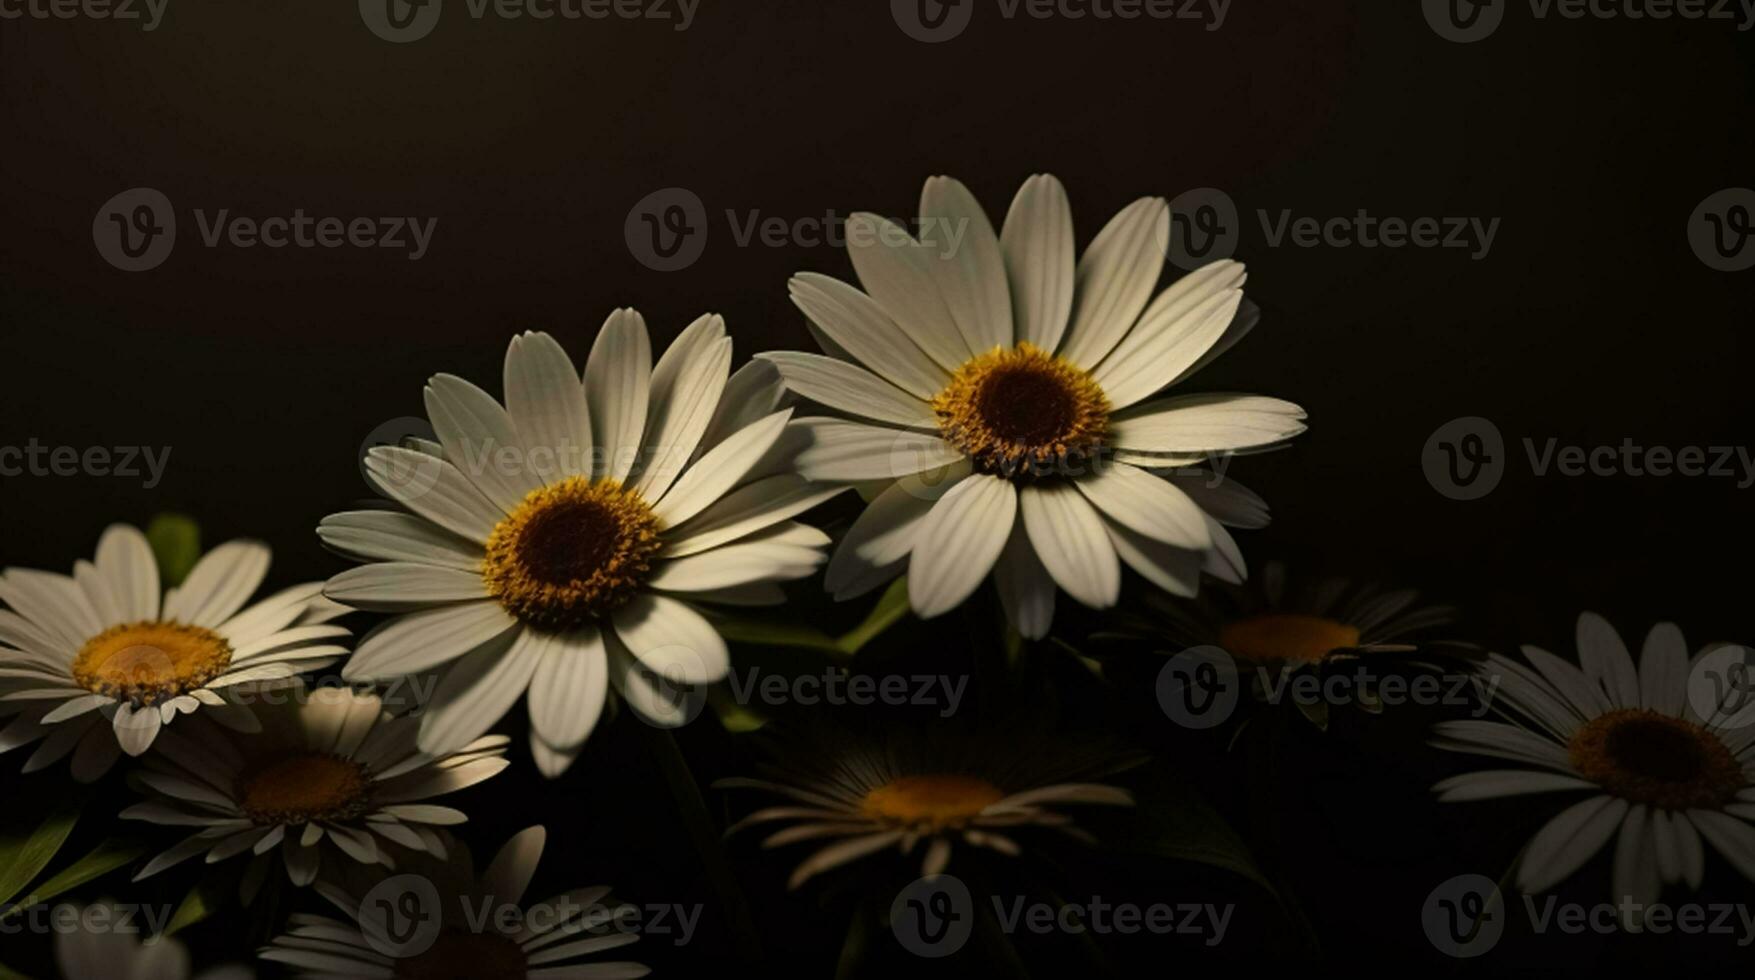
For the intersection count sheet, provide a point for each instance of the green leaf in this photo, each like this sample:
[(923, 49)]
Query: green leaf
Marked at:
[(103, 859), (890, 608), (9, 974), (23, 856), (776, 635), (203, 900), (176, 543), (1176, 822)]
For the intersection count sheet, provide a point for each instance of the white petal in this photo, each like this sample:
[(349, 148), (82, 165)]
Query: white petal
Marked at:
[(546, 401), (896, 270), (886, 530), (618, 379), (434, 489), (958, 543), (477, 691), (568, 690), (480, 441), (125, 558), (1495, 783), (509, 874), (1730, 837), (734, 565), (850, 388), (1663, 670), (723, 467), (1606, 661), (397, 586), (672, 640), (851, 451), (746, 510), (686, 387), (135, 729), (854, 322), (1148, 505), (1026, 590), (387, 535), (1207, 424), (1115, 279), (967, 262), (419, 641), (1039, 259), (53, 603), (1180, 325), (754, 391), (654, 700), (1175, 570), (1069, 538), (1568, 841), (219, 584)]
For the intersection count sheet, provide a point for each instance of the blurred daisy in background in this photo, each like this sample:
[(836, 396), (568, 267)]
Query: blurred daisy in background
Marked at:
[(1280, 626), (1004, 393), (910, 792), (333, 768), (1663, 754), (108, 944), (450, 937), (97, 662), (561, 545)]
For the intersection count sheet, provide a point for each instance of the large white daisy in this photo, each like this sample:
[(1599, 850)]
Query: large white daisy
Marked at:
[(98, 661), (1022, 382), (560, 544), (1657, 773), (333, 766), (544, 941)]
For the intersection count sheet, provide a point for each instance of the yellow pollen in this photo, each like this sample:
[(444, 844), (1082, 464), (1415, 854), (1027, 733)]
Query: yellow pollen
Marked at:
[(1022, 413), (931, 802), (148, 663), (1647, 757), (571, 552), (1286, 636), (305, 787)]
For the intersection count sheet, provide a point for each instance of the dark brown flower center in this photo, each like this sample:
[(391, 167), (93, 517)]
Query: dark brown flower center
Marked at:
[(1647, 757)]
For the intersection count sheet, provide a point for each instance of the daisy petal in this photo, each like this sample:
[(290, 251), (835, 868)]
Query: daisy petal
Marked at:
[(546, 401), (1115, 279), (967, 263), (1069, 538), (958, 542), (1039, 259), (618, 380), (850, 388)]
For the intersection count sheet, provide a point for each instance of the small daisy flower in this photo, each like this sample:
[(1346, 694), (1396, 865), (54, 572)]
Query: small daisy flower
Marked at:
[(1005, 396), (333, 768), (898, 793), (107, 944), (1278, 626), (97, 662), (1658, 777), (451, 937), (563, 544)]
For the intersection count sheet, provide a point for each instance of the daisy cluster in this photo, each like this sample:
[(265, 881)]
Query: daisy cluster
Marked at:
[(1008, 412)]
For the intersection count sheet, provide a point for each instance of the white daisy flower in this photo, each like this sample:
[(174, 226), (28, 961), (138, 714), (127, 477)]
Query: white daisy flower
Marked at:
[(452, 938), (869, 795), (1657, 776), (108, 944), (98, 661), (334, 767), (1279, 625), (561, 544), (1004, 393)]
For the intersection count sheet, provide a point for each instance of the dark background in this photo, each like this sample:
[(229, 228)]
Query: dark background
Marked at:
[(1590, 320)]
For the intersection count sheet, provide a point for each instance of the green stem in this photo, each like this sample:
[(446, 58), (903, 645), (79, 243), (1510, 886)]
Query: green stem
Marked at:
[(705, 833)]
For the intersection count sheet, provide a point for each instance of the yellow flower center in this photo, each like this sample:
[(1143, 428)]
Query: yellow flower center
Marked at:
[(457, 955), (148, 663), (304, 787), (935, 801), (1646, 757), (1022, 413), (1286, 636), (571, 552)]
